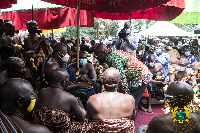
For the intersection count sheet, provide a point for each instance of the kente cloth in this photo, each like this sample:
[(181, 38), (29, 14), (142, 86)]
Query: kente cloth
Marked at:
[(174, 55), (192, 60), (55, 120), (7, 125), (123, 125), (130, 68), (83, 94)]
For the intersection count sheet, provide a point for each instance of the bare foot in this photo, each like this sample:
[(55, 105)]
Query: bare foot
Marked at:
[(142, 108), (149, 110)]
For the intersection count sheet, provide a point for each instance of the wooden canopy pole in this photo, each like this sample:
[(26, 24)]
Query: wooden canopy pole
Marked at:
[(78, 26)]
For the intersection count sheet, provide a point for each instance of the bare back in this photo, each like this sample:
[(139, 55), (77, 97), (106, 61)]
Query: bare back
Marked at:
[(50, 65), (58, 99), (110, 105), (165, 124)]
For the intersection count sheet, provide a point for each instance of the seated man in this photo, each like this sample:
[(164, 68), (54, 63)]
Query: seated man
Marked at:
[(58, 58), (186, 53), (111, 111), (18, 98), (15, 69), (55, 105), (32, 70), (87, 74), (179, 119), (134, 74), (184, 74)]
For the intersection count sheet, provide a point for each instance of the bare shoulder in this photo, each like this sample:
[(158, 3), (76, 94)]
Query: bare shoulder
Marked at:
[(3, 77), (126, 97), (95, 97), (155, 125)]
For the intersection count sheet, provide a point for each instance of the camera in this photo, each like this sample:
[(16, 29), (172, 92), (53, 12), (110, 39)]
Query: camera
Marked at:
[(124, 33)]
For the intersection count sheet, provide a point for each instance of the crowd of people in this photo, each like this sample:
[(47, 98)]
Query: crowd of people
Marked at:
[(43, 90)]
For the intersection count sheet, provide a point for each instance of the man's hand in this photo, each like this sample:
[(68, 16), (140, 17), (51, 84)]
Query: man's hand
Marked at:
[(84, 79), (41, 38), (84, 85)]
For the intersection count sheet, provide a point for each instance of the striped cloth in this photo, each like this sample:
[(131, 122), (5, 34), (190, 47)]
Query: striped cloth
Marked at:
[(7, 125)]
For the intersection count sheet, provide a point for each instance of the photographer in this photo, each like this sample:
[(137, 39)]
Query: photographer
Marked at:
[(123, 42)]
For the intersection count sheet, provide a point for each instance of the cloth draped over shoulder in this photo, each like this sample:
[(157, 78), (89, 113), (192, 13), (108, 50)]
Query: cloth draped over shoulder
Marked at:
[(123, 125), (7, 125), (131, 69), (55, 120)]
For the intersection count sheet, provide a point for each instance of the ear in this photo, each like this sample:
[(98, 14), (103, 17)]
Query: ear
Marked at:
[(20, 101)]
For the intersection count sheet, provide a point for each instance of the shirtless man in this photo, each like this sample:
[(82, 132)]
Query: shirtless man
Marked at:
[(2, 30), (86, 69), (58, 57), (5, 42), (184, 74), (15, 68), (101, 106), (32, 40), (87, 75), (179, 95), (32, 70), (56, 100), (18, 98)]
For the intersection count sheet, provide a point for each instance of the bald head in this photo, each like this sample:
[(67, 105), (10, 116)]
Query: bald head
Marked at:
[(58, 75), (31, 23), (127, 25), (183, 62), (58, 47), (99, 48), (14, 88), (12, 62), (111, 77), (180, 90)]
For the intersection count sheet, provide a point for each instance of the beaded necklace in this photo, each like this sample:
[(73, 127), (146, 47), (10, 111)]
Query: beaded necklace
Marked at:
[(43, 70)]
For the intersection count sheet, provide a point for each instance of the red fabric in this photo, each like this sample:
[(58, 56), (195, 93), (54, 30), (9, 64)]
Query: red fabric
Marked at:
[(7, 3), (111, 6), (50, 18), (162, 13)]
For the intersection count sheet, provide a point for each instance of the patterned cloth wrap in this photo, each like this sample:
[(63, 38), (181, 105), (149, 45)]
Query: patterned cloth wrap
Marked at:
[(55, 120), (192, 60), (7, 125), (131, 69), (124, 125)]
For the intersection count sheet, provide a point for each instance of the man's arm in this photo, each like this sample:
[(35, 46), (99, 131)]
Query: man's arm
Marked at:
[(76, 109), (92, 72), (134, 44), (118, 43), (33, 47)]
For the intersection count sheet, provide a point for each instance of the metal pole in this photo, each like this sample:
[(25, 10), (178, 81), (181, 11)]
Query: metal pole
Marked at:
[(130, 17), (78, 25)]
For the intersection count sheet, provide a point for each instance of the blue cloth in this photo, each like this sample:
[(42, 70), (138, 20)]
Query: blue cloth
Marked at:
[(164, 59), (133, 45), (83, 94)]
